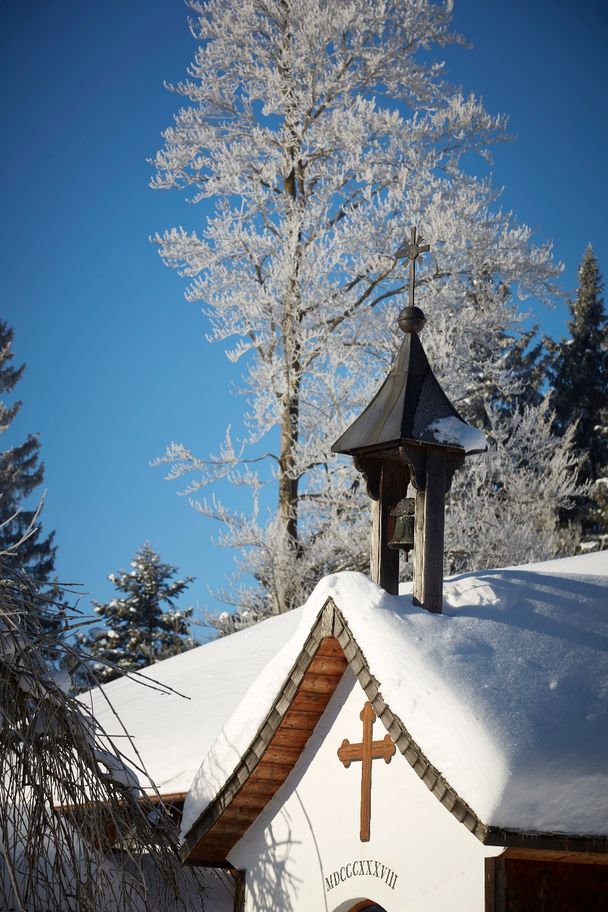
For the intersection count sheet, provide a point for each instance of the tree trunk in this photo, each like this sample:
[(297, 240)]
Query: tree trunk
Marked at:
[(290, 418), (288, 507), (290, 403)]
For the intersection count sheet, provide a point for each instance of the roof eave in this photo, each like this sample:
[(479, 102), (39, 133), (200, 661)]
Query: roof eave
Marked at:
[(539, 841), (380, 448)]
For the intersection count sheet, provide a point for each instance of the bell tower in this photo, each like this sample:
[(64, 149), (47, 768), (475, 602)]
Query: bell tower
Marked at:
[(408, 442)]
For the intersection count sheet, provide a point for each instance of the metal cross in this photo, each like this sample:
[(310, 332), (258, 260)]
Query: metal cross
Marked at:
[(366, 751), (411, 250)]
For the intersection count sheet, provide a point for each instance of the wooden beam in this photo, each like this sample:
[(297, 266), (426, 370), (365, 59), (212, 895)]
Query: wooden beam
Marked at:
[(305, 701), (299, 720), (290, 737), (384, 568), (319, 683), (418, 589), (239, 891), (549, 842), (594, 858), (434, 524), (261, 795)]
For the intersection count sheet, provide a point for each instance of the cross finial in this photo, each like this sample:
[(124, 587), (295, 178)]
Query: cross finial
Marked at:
[(411, 250)]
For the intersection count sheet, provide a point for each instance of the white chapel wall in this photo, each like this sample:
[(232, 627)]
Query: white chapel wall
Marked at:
[(303, 854)]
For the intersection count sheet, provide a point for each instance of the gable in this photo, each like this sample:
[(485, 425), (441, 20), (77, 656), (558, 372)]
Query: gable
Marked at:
[(278, 744), (305, 850)]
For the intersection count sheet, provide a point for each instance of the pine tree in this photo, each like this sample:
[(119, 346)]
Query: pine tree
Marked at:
[(322, 131), (23, 548), (139, 628), (579, 376), (21, 472)]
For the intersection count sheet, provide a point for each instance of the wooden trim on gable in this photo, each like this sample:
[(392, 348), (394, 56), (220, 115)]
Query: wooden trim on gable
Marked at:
[(329, 649), (274, 750)]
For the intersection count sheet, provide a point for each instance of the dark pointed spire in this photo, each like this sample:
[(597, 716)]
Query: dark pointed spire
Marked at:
[(410, 435), (410, 406)]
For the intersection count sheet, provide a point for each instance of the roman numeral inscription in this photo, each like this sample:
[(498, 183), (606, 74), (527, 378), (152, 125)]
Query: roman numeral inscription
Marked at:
[(364, 867), (366, 751)]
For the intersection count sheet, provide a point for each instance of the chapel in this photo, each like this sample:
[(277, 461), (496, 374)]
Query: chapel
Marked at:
[(487, 738), (435, 746)]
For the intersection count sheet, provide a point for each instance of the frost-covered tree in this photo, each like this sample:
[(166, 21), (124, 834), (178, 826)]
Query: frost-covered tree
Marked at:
[(21, 472), (580, 392), (143, 625), (506, 506), (320, 131)]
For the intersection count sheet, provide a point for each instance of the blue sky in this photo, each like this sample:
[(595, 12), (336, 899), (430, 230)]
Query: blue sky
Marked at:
[(117, 361)]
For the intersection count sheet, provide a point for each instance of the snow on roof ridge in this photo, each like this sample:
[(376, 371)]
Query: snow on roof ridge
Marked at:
[(469, 684)]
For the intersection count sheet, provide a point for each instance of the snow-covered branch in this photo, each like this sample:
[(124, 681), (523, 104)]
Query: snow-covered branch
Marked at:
[(321, 131)]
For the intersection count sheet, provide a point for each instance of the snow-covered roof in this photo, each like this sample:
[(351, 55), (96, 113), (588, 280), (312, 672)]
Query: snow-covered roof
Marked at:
[(505, 693), (410, 406), (172, 731)]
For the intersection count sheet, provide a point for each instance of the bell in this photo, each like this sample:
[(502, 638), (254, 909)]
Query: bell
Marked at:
[(403, 535)]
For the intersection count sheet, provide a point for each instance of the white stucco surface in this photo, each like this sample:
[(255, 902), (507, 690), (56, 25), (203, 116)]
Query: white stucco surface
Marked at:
[(304, 851)]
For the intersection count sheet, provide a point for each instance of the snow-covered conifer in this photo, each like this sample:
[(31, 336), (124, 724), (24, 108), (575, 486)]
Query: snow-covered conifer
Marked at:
[(21, 472), (580, 394), (321, 131), (143, 625), (23, 547)]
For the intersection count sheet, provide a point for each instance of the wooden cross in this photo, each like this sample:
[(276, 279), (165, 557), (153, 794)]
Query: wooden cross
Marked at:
[(366, 751), (411, 250)]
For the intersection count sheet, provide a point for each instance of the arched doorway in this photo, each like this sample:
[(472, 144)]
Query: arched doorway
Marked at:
[(366, 905)]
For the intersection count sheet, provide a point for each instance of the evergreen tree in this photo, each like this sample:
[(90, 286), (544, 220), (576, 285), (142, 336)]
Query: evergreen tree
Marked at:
[(21, 472), (579, 374), (139, 629)]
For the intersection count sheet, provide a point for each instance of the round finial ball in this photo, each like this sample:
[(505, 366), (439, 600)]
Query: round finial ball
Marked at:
[(411, 320)]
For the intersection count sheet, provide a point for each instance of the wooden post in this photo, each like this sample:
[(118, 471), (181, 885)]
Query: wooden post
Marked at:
[(239, 890), (384, 569), (376, 540), (434, 523), (495, 885), (419, 549)]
